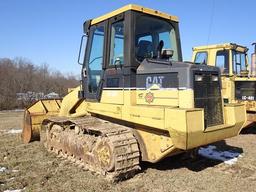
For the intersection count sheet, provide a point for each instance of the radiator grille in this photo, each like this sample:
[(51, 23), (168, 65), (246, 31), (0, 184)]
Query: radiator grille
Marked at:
[(207, 95)]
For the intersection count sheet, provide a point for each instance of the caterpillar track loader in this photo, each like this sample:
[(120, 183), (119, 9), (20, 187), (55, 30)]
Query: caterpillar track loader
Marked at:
[(137, 100), (238, 77)]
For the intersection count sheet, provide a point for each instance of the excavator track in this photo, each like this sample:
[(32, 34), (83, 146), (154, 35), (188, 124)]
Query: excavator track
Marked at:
[(97, 145)]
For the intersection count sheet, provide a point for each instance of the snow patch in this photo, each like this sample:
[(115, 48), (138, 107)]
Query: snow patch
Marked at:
[(15, 190), (14, 110), (3, 169), (15, 131), (227, 157), (18, 110)]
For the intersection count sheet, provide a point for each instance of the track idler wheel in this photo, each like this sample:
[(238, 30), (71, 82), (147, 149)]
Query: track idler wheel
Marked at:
[(104, 155)]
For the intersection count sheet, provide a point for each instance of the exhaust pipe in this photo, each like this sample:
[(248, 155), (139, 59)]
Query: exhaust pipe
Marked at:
[(253, 61)]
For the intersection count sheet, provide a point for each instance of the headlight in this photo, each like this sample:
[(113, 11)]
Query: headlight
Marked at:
[(198, 77), (215, 78)]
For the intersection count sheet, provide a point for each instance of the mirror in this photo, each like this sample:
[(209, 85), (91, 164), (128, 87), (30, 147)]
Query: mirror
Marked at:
[(167, 53), (81, 56)]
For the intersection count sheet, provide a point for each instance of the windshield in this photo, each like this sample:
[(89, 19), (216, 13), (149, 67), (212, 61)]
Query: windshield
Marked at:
[(150, 33), (239, 62)]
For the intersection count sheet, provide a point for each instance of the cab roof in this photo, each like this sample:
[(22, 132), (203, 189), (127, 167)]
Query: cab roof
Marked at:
[(223, 45), (134, 8)]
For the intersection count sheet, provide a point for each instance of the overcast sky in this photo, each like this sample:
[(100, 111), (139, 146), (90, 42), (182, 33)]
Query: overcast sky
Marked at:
[(49, 31)]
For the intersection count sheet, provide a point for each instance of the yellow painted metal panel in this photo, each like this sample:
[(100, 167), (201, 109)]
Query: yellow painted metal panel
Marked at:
[(35, 114), (146, 115), (187, 129), (135, 8), (130, 97), (37, 120), (186, 98), (221, 46), (235, 112), (42, 107), (112, 96), (69, 102), (154, 146), (176, 124), (159, 97), (228, 88), (110, 110), (50, 105), (37, 108), (195, 129)]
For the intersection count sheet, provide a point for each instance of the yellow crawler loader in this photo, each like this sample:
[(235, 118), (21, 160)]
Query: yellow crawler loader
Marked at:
[(137, 100), (238, 77)]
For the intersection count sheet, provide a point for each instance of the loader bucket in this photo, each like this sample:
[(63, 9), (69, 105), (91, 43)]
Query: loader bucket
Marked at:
[(35, 114)]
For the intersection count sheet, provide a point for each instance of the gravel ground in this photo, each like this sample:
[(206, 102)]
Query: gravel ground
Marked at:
[(29, 167)]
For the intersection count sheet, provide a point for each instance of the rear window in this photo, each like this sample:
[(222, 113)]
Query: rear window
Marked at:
[(201, 58)]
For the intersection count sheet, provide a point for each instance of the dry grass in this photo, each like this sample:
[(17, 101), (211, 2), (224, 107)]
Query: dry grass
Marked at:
[(33, 168)]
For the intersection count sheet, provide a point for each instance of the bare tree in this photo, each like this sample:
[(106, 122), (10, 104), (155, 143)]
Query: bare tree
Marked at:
[(22, 76)]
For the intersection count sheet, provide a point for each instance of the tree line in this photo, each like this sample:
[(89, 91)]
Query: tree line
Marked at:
[(20, 76)]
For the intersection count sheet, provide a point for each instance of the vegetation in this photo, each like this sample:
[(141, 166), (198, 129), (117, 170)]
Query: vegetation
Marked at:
[(21, 76)]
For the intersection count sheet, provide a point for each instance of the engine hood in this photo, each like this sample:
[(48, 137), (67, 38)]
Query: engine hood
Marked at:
[(171, 74)]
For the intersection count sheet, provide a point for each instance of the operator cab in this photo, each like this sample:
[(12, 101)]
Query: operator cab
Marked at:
[(230, 58), (118, 42)]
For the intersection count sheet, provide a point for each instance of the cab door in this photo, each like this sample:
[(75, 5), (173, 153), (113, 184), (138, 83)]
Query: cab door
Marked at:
[(94, 62)]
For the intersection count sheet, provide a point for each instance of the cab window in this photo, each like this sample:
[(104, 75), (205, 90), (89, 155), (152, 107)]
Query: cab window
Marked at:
[(150, 32), (222, 61), (201, 58), (117, 44), (95, 59), (239, 62)]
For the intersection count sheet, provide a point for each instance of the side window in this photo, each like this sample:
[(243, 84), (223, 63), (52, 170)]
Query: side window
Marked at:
[(117, 44), (96, 59), (201, 58), (222, 61), (239, 62)]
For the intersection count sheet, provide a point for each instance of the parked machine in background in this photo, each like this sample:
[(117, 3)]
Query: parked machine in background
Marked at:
[(238, 76), (137, 100)]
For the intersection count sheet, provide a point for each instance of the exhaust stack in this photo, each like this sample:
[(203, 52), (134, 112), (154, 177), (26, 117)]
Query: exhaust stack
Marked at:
[(253, 61)]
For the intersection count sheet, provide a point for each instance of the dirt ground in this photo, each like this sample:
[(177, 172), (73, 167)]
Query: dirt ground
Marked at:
[(31, 168)]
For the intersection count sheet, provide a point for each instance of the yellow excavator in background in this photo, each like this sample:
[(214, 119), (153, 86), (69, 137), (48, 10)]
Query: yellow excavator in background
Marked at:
[(238, 77), (137, 100)]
